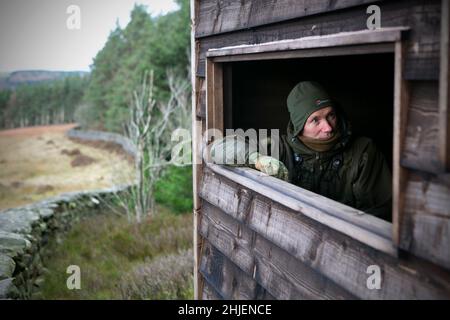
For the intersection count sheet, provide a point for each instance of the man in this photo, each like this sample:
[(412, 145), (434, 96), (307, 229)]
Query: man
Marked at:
[(320, 154)]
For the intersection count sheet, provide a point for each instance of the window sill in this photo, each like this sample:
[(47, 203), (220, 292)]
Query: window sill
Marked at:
[(354, 223)]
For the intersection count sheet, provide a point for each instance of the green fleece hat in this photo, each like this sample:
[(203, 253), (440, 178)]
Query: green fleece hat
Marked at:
[(306, 98)]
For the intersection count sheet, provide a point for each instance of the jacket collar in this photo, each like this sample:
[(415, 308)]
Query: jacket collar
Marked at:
[(299, 148)]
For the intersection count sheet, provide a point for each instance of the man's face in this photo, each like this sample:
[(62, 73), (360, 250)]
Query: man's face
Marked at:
[(320, 125)]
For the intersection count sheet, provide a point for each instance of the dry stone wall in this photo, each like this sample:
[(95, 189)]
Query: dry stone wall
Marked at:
[(26, 231), (124, 142)]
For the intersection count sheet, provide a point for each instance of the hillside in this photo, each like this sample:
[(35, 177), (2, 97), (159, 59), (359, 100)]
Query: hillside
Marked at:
[(17, 78)]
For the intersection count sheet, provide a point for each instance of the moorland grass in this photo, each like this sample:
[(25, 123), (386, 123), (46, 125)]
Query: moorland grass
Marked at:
[(111, 251)]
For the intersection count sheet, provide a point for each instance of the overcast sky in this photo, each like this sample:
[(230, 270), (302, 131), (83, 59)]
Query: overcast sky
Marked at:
[(34, 33)]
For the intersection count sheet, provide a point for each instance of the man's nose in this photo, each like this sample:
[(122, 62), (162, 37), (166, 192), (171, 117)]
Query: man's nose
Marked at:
[(326, 127)]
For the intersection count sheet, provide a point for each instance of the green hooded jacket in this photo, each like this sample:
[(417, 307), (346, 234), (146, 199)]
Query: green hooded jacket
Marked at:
[(354, 172)]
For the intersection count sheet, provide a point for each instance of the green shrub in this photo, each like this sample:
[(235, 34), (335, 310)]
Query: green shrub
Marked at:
[(174, 189)]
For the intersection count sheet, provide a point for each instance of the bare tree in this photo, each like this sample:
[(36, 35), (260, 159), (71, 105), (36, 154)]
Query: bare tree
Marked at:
[(149, 128), (180, 95)]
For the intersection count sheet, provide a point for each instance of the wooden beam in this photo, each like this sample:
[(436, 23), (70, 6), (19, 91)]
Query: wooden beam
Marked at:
[(444, 89), (196, 143), (309, 53), (400, 116), (339, 39), (214, 95), (214, 120), (331, 207)]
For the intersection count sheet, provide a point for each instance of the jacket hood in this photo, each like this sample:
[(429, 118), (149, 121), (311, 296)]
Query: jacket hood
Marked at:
[(303, 100), (298, 147)]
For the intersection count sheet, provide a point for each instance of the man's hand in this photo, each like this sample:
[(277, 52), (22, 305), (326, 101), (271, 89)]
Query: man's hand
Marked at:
[(233, 150), (269, 165)]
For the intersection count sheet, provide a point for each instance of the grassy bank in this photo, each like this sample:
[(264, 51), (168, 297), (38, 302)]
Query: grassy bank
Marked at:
[(119, 260)]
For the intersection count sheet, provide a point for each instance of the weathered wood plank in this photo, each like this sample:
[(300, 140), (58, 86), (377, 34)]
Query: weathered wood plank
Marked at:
[(200, 105), (422, 59), (420, 149), (431, 238), (196, 136), (218, 16), (426, 229), (401, 96), (354, 223), (288, 278), (312, 53), (226, 278), (214, 96), (429, 194), (273, 268), (349, 214), (229, 236), (209, 293), (444, 89), (324, 41), (338, 257)]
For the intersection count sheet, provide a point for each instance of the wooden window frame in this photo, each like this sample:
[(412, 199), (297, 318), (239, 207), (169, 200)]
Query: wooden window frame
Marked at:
[(444, 90), (363, 227)]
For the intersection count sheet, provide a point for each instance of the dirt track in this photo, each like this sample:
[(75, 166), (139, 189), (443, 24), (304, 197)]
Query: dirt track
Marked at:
[(40, 162)]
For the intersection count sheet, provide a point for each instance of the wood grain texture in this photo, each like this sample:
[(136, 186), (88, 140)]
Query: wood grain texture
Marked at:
[(273, 268), (209, 293), (217, 16), (249, 245), (399, 173), (227, 279), (431, 236), (347, 220), (426, 226), (214, 96), (353, 50), (422, 59), (196, 143), (444, 89), (349, 214), (200, 105), (333, 40), (420, 150), (333, 255)]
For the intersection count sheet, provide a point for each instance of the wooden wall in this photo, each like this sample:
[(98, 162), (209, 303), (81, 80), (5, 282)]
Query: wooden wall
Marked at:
[(256, 247), (239, 258), (422, 62)]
